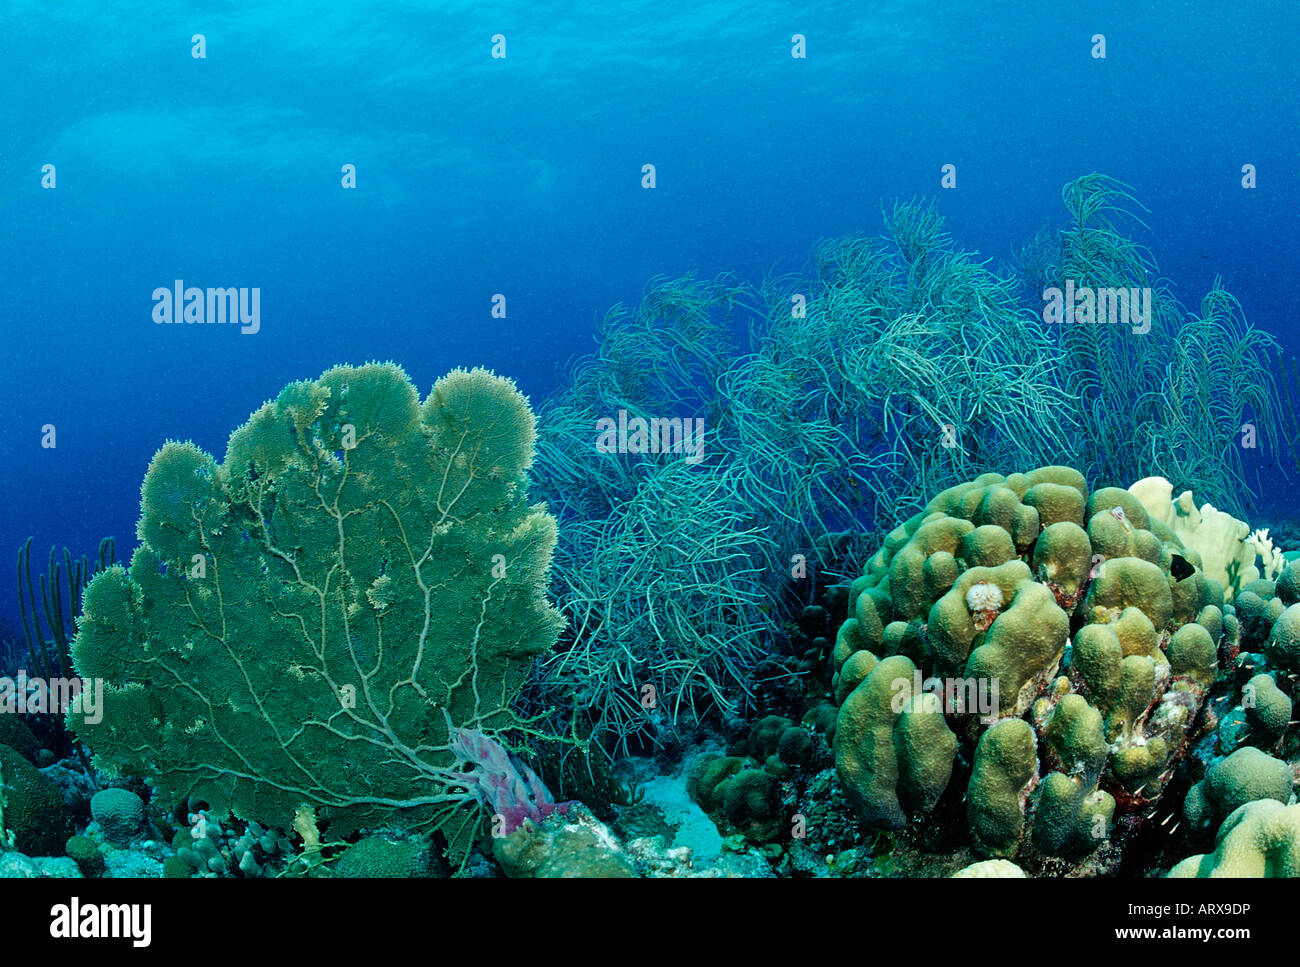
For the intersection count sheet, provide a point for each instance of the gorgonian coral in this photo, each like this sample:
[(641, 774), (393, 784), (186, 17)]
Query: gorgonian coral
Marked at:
[(304, 623)]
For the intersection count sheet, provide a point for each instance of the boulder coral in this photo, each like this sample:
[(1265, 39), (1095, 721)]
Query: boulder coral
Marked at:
[(1248, 775), (564, 846), (893, 749), (1067, 638), (380, 857), (742, 791), (119, 812), (33, 819), (1259, 839)]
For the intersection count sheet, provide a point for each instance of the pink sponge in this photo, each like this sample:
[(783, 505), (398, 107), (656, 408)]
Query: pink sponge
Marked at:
[(500, 781)]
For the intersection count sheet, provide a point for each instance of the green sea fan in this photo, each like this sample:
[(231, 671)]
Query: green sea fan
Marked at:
[(301, 622)]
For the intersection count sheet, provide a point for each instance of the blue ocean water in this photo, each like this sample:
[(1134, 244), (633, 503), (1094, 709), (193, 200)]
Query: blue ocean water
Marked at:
[(522, 176)]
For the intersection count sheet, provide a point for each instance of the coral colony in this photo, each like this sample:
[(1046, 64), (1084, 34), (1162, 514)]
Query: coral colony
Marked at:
[(952, 592)]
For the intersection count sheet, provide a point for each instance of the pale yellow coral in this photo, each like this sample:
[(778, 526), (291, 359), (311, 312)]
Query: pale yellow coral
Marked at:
[(1270, 557), (1260, 839), (990, 869), (1224, 543)]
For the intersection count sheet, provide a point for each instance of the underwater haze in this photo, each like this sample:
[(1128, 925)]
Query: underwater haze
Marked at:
[(836, 235)]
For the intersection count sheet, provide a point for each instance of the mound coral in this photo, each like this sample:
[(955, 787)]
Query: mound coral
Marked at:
[(990, 870), (1260, 839), (376, 857), (1245, 776), (306, 622), (119, 812), (1074, 651), (84, 851), (573, 845), (32, 814)]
